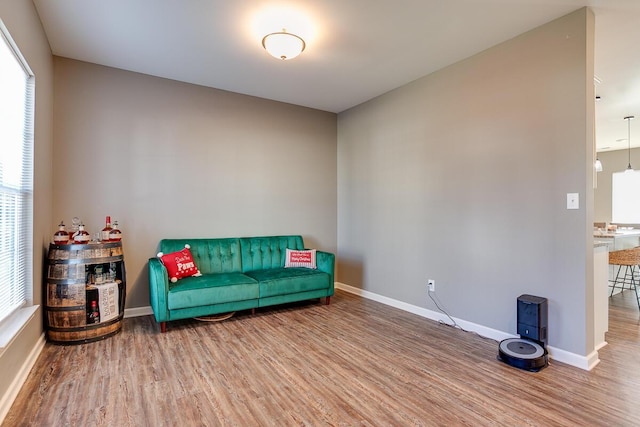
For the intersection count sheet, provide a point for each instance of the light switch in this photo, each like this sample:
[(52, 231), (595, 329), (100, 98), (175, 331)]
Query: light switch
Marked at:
[(573, 201)]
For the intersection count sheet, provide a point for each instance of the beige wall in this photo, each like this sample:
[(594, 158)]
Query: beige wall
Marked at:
[(169, 159), (21, 19), (612, 161), (462, 176)]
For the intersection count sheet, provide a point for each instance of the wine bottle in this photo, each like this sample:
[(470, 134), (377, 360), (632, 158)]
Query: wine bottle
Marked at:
[(106, 230), (61, 237), (93, 316)]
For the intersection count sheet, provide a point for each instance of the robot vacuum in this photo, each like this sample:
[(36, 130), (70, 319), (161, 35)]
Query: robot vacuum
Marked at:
[(528, 352), (522, 353)]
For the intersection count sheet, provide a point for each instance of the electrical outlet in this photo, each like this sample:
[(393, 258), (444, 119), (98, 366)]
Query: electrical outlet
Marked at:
[(432, 285)]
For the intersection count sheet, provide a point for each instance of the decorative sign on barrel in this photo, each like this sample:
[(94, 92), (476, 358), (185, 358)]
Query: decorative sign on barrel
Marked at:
[(85, 292)]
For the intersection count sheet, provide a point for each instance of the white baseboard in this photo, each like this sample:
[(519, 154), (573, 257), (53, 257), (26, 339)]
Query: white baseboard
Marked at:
[(138, 311), (601, 345), (582, 362), (10, 396)]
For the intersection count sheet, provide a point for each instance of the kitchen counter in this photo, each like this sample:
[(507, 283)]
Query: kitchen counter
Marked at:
[(621, 239), (617, 234)]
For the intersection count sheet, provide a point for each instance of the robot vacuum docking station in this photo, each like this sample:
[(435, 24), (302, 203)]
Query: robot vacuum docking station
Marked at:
[(529, 351)]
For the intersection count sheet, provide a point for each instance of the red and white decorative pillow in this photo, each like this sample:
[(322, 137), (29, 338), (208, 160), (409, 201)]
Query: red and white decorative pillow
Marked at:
[(179, 264), (300, 258)]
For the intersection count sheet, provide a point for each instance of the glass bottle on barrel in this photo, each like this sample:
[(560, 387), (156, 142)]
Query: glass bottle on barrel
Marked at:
[(93, 316), (81, 236), (116, 234), (106, 231), (61, 237)]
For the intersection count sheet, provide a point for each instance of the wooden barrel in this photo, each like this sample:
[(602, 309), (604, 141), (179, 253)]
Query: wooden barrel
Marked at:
[(85, 292)]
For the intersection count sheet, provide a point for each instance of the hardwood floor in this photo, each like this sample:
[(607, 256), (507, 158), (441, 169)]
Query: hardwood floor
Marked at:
[(355, 362)]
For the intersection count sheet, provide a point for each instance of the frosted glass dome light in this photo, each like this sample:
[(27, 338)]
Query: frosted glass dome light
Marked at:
[(283, 45)]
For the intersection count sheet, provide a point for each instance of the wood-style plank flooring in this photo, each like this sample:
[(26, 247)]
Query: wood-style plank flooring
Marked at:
[(355, 362)]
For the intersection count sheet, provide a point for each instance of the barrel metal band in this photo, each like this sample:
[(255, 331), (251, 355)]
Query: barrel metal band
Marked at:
[(87, 260)]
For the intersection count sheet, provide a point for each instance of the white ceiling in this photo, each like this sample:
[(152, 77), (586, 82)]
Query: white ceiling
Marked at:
[(356, 49)]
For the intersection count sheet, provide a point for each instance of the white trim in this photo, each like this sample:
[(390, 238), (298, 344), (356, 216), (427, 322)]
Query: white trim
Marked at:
[(138, 311), (602, 344), (4, 33), (12, 326), (582, 362), (16, 385)]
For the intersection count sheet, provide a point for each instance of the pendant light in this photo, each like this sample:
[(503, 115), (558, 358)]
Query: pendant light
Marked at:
[(628, 119), (598, 165)]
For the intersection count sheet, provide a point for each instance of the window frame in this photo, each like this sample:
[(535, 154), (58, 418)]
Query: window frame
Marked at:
[(15, 321)]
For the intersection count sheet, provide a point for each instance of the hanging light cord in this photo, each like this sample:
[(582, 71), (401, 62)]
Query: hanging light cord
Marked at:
[(628, 119)]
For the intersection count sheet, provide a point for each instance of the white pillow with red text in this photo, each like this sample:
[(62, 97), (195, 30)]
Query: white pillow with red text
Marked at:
[(305, 258)]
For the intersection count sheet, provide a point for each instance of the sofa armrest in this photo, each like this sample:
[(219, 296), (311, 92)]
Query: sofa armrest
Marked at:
[(158, 289), (325, 261)]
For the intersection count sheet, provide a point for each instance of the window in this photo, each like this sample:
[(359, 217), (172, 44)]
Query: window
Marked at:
[(16, 179), (625, 203)]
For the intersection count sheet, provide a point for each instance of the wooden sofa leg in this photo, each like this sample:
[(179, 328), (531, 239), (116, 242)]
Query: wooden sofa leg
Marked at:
[(327, 300), (163, 327), (253, 311)]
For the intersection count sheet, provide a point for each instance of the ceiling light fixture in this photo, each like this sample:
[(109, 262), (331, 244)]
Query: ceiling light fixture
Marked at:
[(628, 119), (598, 165), (283, 45)]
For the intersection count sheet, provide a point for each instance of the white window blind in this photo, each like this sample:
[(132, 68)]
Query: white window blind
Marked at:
[(16, 178)]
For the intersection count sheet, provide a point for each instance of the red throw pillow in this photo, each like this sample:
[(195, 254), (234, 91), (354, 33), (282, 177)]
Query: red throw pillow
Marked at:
[(297, 258), (179, 264)]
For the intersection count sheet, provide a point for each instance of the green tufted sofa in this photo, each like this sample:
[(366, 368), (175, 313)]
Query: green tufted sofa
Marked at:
[(237, 274)]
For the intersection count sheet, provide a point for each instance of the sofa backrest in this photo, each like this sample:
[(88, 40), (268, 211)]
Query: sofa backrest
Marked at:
[(259, 253), (210, 255)]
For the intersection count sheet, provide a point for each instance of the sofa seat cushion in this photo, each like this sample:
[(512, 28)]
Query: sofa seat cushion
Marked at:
[(281, 281), (211, 289)]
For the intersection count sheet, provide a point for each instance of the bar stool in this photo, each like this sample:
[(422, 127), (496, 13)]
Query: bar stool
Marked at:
[(630, 260)]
